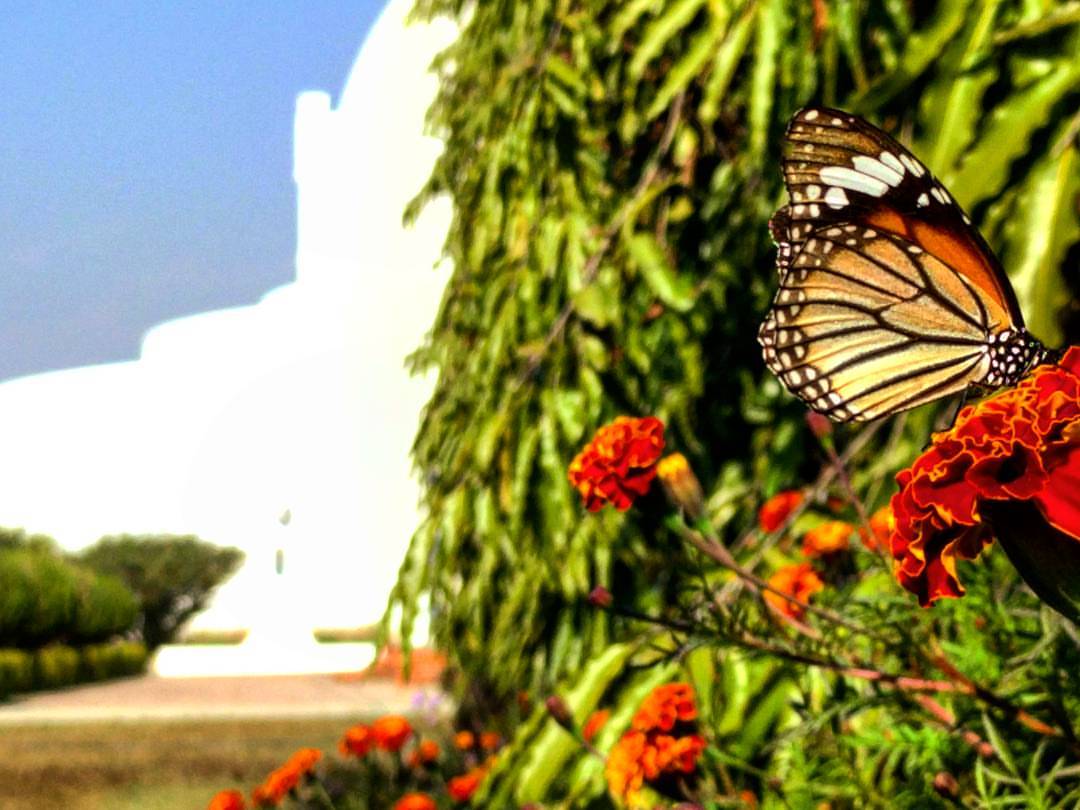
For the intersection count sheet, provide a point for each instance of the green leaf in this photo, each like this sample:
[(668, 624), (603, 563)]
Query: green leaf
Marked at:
[(671, 288), (727, 58), (659, 32), (952, 105), (1043, 228), (763, 78), (596, 305), (1012, 124), (924, 47), (687, 68), (554, 746)]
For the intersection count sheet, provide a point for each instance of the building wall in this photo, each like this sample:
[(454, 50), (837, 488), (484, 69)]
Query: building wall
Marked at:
[(300, 402)]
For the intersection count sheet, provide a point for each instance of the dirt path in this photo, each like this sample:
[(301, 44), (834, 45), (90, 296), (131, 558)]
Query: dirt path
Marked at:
[(153, 697)]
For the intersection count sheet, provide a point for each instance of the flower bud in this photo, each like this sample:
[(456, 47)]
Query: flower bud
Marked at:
[(945, 785), (600, 597), (819, 425), (560, 712), (681, 485)]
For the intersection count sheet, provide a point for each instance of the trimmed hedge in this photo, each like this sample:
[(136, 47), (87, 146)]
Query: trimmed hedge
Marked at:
[(45, 599), (57, 665)]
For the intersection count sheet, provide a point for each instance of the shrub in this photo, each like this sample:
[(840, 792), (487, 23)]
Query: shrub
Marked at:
[(172, 577), (104, 608), (16, 671), (119, 659), (55, 666), (38, 597)]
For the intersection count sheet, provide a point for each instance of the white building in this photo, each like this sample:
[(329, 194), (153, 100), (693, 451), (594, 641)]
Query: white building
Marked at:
[(300, 402)]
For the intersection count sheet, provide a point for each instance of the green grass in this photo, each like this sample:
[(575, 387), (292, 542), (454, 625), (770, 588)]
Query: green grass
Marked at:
[(147, 765)]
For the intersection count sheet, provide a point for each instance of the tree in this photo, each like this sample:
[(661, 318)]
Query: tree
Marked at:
[(172, 576), (612, 168)]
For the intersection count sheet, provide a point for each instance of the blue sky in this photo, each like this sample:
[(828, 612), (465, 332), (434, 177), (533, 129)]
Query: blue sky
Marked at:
[(146, 156)]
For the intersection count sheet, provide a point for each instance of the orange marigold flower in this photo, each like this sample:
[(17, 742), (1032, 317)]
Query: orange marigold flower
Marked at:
[(357, 741), (391, 732), (304, 760), (828, 538), (664, 706), (227, 800), (415, 801), (678, 753), (681, 485), (276, 787), (619, 464), (641, 756), (882, 523), (464, 740), (1009, 465), (461, 788), (799, 581), (594, 724), (490, 740), (426, 752), (624, 769), (774, 512)]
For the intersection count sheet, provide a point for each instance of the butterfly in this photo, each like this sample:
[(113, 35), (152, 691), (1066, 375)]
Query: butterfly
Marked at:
[(889, 298)]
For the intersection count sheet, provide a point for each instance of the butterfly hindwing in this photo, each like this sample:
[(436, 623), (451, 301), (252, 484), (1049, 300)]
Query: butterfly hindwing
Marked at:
[(866, 323)]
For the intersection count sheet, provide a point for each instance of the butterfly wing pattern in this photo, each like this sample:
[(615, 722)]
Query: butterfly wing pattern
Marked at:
[(888, 297)]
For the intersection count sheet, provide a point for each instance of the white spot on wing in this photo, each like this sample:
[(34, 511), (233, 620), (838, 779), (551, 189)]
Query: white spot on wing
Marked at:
[(810, 115), (923, 200), (875, 168), (889, 159), (813, 192), (851, 179), (836, 198), (913, 166)]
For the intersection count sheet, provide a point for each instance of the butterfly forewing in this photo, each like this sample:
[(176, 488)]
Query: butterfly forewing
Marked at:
[(888, 297), (838, 167)]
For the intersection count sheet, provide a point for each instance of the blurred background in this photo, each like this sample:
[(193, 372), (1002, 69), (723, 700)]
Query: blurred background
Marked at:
[(204, 408)]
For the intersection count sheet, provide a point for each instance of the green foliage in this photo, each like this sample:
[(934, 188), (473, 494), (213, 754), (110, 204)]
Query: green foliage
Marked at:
[(118, 659), (44, 598), (16, 671), (612, 167), (171, 576), (55, 666)]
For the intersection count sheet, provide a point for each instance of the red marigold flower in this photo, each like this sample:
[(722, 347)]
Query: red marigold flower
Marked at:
[(1010, 459), (799, 581), (619, 464), (357, 741), (775, 511), (490, 740), (681, 485), (415, 801), (594, 724), (461, 788), (464, 740), (391, 732), (664, 706), (827, 538), (227, 800)]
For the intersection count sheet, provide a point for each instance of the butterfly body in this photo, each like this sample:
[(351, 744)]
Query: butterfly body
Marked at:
[(888, 297)]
